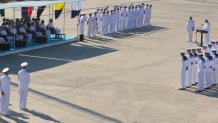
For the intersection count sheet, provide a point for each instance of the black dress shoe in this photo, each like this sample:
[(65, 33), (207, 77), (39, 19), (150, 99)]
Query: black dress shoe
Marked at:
[(188, 87), (207, 88), (199, 91), (181, 88)]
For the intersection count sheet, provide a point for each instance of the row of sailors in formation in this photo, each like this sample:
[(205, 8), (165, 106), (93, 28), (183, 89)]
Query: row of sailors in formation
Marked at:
[(120, 18), (200, 68), (5, 81), (26, 29)]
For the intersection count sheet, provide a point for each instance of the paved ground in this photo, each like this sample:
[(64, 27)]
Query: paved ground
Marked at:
[(128, 77)]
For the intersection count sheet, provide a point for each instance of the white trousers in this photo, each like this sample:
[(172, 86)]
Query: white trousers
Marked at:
[(4, 105), (183, 78), (89, 31), (190, 36), (189, 76), (201, 79), (23, 98), (207, 38)]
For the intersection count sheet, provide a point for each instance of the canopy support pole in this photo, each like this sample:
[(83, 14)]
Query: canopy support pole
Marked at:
[(49, 12), (52, 7), (64, 21), (14, 27), (78, 22)]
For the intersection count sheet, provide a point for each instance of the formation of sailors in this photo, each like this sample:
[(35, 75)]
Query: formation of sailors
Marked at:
[(5, 82), (200, 67), (120, 18), (26, 29)]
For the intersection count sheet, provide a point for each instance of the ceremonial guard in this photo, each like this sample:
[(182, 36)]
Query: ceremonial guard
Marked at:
[(183, 72), (201, 73), (24, 80), (5, 98)]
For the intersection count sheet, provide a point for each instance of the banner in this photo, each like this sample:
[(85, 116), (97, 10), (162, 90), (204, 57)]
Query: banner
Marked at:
[(40, 11), (26, 12), (58, 8)]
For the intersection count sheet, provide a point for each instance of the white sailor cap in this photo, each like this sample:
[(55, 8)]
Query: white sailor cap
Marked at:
[(204, 45), (200, 54), (198, 48), (188, 49), (212, 41), (213, 49), (209, 44), (83, 13), (182, 52), (5, 70), (207, 52), (24, 64)]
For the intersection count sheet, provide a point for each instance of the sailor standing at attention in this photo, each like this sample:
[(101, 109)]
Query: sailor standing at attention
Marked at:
[(81, 25), (190, 66), (5, 99), (195, 67), (183, 72), (190, 29), (24, 80), (201, 73), (89, 23), (208, 72)]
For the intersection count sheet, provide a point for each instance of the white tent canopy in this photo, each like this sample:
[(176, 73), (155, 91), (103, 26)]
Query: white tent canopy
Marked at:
[(33, 3)]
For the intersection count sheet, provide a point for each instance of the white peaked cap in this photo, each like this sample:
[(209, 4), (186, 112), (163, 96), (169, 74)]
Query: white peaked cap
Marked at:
[(24, 64), (5, 70)]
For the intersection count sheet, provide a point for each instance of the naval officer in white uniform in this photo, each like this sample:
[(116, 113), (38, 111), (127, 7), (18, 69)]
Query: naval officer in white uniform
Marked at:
[(5, 98), (24, 80), (190, 29)]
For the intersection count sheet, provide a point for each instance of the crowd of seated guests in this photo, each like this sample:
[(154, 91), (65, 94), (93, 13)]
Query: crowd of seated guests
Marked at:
[(26, 29)]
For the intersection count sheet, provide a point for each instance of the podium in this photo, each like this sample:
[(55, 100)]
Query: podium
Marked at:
[(202, 32)]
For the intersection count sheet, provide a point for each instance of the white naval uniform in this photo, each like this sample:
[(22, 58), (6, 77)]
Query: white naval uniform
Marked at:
[(201, 74), (208, 74), (183, 72), (5, 99), (206, 27), (95, 25), (89, 23), (189, 72), (195, 69), (24, 80), (146, 9), (190, 29), (103, 21), (216, 68), (213, 70), (123, 19), (82, 25), (149, 16)]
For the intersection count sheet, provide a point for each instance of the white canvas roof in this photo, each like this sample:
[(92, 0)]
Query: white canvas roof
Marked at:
[(33, 3)]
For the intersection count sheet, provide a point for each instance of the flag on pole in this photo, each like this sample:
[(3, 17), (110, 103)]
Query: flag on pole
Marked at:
[(26, 12), (58, 8), (76, 7), (40, 11), (2, 12)]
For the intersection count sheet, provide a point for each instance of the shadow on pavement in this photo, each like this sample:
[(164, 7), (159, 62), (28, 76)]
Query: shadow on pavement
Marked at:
[(212, 92), (52, 57), (134, 32), (69, 104), (17, 117), (41, 115)]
